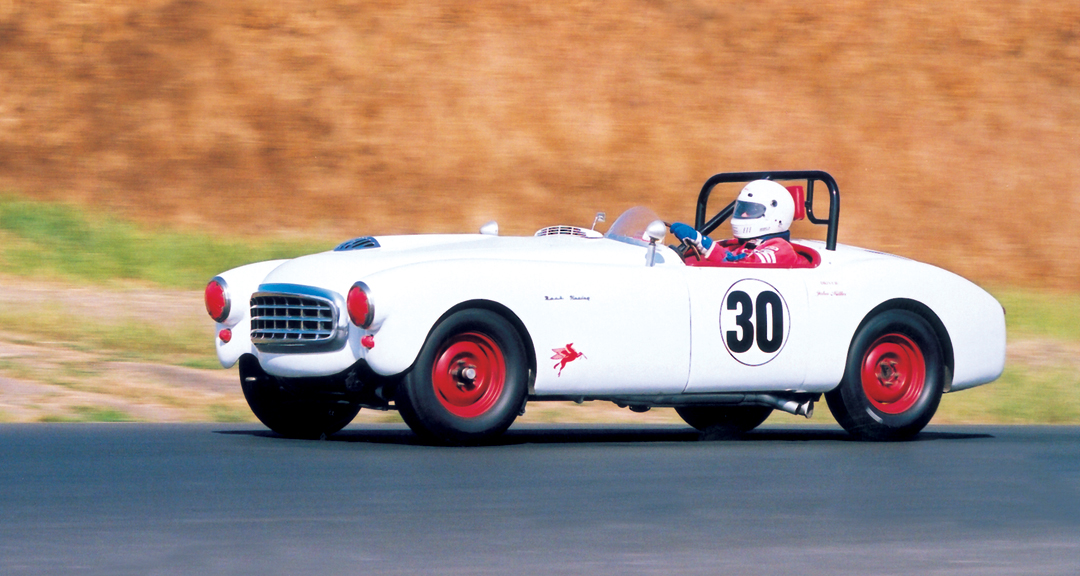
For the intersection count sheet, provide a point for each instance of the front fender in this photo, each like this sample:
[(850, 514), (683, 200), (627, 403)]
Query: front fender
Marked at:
[(407, 309), (631, 323), (242, 282)]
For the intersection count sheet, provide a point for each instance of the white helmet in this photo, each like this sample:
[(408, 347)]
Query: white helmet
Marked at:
[(763, 207)]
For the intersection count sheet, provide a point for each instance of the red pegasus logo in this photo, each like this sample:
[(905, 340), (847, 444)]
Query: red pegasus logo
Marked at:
[(566, 356)]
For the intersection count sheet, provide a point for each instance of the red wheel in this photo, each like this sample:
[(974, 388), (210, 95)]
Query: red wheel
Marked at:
[(470, 380), (469, 374), (894, 377), (893, 373)]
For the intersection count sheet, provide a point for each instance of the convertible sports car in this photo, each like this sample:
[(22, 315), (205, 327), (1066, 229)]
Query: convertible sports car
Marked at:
[(459, 332)]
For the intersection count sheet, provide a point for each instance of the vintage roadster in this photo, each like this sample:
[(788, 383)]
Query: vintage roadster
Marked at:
[(459, 332)]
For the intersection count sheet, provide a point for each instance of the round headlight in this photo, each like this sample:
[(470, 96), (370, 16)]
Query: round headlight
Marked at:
[(218, 305), (361, 310)]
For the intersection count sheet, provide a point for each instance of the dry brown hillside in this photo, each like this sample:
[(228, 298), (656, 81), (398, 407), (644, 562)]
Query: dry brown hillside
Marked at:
[(953, 128)]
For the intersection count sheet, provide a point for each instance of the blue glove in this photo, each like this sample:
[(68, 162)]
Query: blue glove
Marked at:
[(686, 233), (732, 257)]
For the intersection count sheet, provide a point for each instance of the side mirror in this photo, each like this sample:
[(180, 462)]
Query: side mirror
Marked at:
[(600, 217), (654, 232), (490, 229)]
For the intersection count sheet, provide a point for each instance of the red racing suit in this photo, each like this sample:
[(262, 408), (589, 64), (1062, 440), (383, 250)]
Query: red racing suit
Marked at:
[(768, 251)]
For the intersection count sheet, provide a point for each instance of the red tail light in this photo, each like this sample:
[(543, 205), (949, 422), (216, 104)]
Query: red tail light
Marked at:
[(361, 310), (218, 305)]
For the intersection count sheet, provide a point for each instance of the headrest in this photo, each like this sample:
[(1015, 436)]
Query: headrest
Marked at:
[(799, 195)]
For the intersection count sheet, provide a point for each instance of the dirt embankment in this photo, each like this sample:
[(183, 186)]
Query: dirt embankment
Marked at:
[(951, 127)]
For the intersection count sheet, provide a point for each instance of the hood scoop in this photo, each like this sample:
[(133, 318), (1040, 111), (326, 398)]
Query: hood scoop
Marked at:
[(358, 244)]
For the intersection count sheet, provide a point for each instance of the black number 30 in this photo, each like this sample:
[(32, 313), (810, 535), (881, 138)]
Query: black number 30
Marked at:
[(769, 335)]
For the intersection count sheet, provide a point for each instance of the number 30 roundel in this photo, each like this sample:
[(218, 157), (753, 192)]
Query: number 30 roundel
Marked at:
[(754, 322)]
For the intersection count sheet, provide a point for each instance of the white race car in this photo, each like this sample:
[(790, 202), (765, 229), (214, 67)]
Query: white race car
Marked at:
[(458, 332)]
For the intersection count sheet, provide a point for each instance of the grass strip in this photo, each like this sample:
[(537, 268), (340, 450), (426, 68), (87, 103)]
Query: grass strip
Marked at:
[(63, 242), (90, 414), (188, 344), (1040, 313)]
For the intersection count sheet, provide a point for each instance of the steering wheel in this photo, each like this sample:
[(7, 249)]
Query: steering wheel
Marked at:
[(688, 246)]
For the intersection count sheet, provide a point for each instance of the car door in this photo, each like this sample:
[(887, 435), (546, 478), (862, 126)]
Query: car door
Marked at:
[(749, 328), (610, 330)]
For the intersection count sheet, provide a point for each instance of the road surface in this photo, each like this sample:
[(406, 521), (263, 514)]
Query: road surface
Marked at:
[(236, 499)]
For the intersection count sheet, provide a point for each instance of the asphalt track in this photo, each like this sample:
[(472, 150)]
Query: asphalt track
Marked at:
[(149, 499)]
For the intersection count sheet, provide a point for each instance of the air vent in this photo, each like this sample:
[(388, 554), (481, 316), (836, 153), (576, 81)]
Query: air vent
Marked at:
[(568, 231), (358, 244)]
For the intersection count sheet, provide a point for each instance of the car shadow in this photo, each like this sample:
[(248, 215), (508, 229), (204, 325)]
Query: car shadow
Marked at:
[(613, 434)]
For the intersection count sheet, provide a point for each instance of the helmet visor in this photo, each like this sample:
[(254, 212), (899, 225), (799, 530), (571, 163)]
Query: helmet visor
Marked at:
[(748, 210)]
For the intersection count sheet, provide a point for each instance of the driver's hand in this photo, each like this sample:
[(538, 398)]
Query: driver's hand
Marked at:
[(687, 235)]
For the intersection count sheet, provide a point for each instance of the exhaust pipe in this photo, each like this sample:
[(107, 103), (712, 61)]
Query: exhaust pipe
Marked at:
[(797, 407), (798, 404)]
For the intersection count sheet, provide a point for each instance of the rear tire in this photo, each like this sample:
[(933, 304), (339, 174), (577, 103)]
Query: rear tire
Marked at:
[(893, 380), (287, 413), (724, 421), (469, 382)]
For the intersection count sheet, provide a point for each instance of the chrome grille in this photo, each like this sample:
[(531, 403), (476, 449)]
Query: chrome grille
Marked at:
[(287, 321)]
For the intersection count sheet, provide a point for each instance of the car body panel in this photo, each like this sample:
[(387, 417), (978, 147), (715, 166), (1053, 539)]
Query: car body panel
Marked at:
[(630, 328), (242, 282)]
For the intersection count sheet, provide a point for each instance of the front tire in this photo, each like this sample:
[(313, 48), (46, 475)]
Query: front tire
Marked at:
[(287, 413), (894, 378), (469, 382), (724, 421)]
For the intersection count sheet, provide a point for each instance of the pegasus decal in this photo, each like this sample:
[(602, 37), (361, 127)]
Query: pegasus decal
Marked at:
[(566, 356)]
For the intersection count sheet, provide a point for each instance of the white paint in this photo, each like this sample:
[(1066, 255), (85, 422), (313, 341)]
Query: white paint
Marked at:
[(642, 330)]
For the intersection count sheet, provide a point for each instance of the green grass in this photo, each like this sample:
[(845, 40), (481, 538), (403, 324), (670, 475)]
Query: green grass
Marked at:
[(220, 413), (1040, 313), (91, 414), (190, 344), (1023, 395), (63, 242)]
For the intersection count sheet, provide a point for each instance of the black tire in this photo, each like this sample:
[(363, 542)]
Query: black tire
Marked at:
[(893, 380), (724, 421), (287, 413), (443, 402)]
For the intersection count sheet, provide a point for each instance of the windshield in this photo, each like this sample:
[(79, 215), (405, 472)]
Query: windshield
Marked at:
[(630, 227)]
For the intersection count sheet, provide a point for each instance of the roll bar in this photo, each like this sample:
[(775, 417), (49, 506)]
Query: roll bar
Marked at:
[(810, 176)]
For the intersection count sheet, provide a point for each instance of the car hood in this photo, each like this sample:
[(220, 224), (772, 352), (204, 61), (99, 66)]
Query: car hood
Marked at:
[(335, 269), (338, 270)]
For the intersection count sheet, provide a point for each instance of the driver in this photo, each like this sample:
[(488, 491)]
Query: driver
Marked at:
[(763, 213)]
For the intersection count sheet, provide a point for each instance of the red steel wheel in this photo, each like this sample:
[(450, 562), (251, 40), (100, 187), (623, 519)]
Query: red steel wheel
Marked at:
[(893, 378), (469, 374), (893, 373), (470, 380)]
